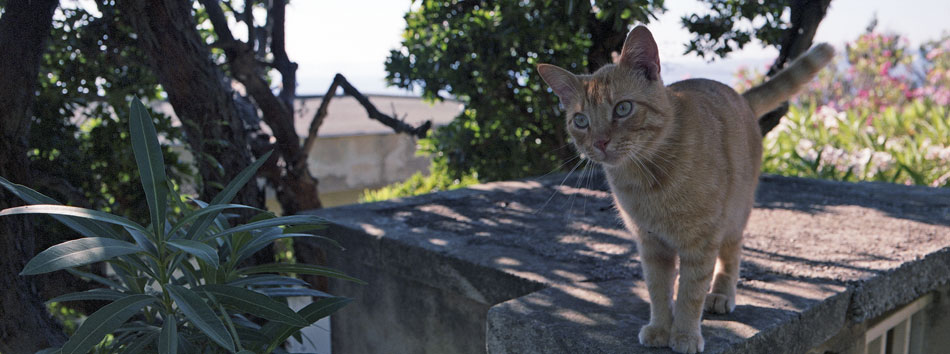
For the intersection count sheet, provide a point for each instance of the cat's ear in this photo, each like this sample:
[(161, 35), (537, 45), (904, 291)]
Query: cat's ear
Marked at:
[(565, 85), (640, 53)]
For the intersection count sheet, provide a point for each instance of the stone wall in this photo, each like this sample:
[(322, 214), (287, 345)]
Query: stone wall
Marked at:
[(544, 266)]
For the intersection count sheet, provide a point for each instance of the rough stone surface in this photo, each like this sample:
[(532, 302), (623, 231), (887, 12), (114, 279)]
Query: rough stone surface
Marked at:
[(545, 266)]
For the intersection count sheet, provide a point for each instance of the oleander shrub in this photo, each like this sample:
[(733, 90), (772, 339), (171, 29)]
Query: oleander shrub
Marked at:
[(179, 282), (879, 113)]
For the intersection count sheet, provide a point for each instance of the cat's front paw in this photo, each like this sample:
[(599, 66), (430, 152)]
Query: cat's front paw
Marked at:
[(719, 303), (654, 335), (687, 341)]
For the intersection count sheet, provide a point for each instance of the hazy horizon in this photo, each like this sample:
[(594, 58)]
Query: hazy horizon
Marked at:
[(357, 42)]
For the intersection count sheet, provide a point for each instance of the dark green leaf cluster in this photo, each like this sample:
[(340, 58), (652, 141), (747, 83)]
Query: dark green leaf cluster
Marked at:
[(484, 53), (179, 283), (731, 24), (79, 133)]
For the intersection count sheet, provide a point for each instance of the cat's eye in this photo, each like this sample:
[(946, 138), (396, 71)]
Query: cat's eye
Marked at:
[(581, 121), (623, 109)]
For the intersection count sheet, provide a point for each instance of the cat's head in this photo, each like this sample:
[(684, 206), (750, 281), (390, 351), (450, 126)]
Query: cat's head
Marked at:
[(618, 112)]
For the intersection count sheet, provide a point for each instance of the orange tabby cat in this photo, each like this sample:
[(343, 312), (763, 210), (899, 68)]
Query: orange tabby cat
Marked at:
[(682, 162)]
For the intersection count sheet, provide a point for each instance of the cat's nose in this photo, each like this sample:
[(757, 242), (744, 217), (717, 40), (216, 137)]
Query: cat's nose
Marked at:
[(602, 144)]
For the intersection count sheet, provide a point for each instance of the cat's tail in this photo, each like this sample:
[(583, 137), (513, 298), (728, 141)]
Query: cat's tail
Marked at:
[(770, 94)]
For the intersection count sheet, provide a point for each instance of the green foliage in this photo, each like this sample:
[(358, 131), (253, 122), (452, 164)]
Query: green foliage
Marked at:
[(883, 117), (79, 133), (718, 31), (484, 53), (436, 180), (908, 145), (179, 282)]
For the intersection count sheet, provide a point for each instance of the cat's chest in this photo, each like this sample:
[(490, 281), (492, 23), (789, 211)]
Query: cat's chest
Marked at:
[(656, 210)]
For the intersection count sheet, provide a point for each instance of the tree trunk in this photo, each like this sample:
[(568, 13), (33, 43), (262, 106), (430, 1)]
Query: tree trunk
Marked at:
[(198, 91), (806, 15), (25, 325), (295, 187)]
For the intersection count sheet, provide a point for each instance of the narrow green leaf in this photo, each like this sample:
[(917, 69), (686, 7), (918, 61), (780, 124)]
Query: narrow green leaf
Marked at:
[(94, 294), (281, 221), (143, 241), (245, 351), (279, 332), (266, 239), (226, 195), (267, 280), (251, 338), (104, 321), (201, 250), (138, 344), (148, 157), (77, 252), (168, 340), (261, 241), (201, 315), (211, 209), (72, 211), (85, 227), (96, 278), (304, 228), (255, 303), (135, 262), (299, 269), (287, 292)]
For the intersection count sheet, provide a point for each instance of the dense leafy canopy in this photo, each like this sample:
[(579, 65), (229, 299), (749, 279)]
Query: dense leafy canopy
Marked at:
[(484, 53), (79, 132), (731, 24)]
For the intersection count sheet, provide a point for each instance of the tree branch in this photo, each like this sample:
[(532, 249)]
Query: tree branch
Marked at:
[(806, 15), (340, 82), (287, 68), (218, 21)]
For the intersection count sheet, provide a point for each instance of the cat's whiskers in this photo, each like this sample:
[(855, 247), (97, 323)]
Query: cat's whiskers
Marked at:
[(631, 150), (560, 184), (642, 167), (570, 209), (585, 181), (653, 154), (562, 165), (662, 156)]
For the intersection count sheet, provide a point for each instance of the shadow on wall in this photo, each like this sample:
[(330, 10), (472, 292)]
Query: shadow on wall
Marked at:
[(554, 257)]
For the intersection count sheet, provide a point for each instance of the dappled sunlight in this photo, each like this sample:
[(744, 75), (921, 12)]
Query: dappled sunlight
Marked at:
[(574, 316), (372, 230), (438, 242), (570, 276), (507, 261), (572, 271)]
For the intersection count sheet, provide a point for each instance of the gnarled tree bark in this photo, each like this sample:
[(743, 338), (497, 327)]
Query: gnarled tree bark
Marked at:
[(296, 189), (198, 91), (25, 325), (805, 17)]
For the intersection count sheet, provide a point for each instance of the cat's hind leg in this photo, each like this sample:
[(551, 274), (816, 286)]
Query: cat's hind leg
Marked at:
[(658, 261), (722, 297)]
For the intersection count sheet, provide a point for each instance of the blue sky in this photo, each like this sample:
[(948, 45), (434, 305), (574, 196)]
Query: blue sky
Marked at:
[(354, 37)]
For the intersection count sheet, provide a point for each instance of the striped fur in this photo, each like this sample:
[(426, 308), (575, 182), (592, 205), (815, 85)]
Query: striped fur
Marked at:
[(682, 162), (769, 95)]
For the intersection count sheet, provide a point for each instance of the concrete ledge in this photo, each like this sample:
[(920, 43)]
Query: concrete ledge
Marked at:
[(544, 266)]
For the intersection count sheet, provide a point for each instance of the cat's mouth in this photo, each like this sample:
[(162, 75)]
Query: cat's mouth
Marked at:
[(604, 157)]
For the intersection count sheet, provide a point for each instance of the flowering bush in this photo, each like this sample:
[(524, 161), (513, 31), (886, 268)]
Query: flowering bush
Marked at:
[(881, 116)]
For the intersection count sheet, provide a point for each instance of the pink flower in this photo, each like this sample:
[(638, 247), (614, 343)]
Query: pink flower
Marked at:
[(885, 69), (933, 53)]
